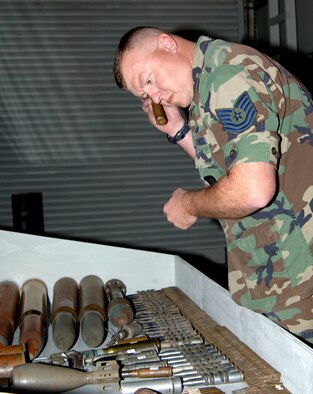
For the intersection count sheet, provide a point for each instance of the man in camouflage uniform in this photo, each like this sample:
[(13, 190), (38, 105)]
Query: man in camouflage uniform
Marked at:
[(251, 138)]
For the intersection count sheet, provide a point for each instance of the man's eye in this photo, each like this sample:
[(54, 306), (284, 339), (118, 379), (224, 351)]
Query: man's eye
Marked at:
[(149, 81)]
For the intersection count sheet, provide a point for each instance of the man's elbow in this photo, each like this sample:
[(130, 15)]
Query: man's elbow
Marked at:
[(260, 198)]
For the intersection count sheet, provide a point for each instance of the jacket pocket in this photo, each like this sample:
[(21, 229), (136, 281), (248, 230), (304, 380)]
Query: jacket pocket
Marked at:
[(256, 264)]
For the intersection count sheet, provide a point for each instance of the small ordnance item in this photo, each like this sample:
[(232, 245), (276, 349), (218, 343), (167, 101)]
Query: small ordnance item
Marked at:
[(81, 359), (159, 114), (33, 316), (120, 311), (92, 312), (64, 316), (163, 385), (37, 377), (92, 356), (160, 372), (126, 333), (9, 297)]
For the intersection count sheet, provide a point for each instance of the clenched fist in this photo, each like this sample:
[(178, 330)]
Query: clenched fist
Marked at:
[(177, 210)]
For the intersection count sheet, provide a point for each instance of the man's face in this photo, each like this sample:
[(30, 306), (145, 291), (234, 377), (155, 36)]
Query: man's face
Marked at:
[(163, 76)]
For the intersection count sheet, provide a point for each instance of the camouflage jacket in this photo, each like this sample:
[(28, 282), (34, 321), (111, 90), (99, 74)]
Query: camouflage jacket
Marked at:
[(247, 108)]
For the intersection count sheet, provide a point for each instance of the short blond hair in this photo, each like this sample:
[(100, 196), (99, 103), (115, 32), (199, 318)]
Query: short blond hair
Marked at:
[(133, 39)]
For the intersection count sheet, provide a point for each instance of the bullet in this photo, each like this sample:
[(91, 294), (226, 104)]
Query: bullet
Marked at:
[(123, 350), (171, 357), (143, 364), (185, 374), (182, 364), (33, 316), (120, 311), (166, 353), (160, 372), (9, 297), (162, 385), (217, 378), (92, 313), (177, 370), (136, 355), (134, 339), (64, 317), (139, 359)]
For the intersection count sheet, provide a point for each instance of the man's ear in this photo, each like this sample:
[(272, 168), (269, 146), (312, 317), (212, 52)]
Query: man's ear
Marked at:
[(167, 42)]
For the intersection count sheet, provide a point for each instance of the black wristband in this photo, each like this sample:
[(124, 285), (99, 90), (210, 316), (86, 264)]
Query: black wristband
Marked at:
[(180, 134)]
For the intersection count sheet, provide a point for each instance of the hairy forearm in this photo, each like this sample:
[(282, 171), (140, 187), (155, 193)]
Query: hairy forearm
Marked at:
[(244, 190), (235, 195), (217, 203)]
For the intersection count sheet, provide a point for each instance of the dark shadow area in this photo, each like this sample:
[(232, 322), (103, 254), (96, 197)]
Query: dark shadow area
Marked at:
[(300, 65), (215, 271), (193, 34)]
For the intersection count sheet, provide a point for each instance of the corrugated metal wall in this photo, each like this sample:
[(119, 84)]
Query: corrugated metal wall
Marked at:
[(67, 131)]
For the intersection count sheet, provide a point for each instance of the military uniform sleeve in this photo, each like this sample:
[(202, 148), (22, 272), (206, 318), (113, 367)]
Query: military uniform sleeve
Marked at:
[(245, 108)]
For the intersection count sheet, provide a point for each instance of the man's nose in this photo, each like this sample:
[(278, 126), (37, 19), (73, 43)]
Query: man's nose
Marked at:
[(155, 96)]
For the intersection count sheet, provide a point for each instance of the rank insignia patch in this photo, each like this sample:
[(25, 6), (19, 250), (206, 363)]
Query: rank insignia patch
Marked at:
[(240, 117)]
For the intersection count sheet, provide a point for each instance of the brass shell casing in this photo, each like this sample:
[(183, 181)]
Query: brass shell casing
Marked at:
[(33, 316), (64, 316), (9, 297), (92, 312)]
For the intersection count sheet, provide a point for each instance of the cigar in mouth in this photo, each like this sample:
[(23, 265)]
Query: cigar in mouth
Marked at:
[(159, 114)]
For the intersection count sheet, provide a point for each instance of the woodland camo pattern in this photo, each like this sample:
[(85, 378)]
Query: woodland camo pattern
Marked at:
[(247, 108)]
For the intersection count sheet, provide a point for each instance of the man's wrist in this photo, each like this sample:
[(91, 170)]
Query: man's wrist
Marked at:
[(180, 134)]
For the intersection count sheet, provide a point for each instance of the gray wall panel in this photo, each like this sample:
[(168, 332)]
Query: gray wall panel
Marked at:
[(69, 132)]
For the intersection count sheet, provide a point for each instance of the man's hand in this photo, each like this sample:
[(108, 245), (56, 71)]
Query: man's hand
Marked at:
[(244, 190), (176, 210), (175, 119)]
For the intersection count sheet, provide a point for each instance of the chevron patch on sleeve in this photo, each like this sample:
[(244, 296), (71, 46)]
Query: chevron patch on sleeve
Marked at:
[(240, 117)]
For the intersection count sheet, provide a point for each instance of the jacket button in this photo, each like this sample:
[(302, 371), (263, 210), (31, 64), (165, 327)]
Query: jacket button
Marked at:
[(274, 151), (210, 179), (232, 153)]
